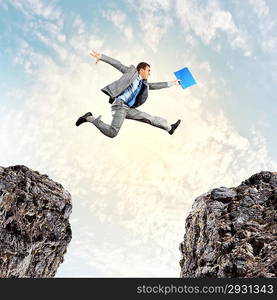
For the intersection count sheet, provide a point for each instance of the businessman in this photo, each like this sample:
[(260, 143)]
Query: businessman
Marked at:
[(126, 94)]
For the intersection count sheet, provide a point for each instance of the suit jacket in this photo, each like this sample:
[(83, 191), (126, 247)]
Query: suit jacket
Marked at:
[(115, 88)]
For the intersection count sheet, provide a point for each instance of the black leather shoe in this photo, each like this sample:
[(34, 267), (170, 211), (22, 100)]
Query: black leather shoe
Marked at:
[(83, 118), (174, 126)]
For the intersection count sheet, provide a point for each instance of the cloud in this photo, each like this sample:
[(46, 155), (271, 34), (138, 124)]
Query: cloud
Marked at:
[(205, 66), (260, 7), (28, 58), (154, 20), (267, 26), (209, 22), (34, 8), (79, 25), (42, 18), (118, 18)]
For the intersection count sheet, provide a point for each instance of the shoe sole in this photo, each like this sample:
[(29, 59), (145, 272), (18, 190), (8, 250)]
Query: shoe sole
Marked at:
[(175, 127), (82, 119)]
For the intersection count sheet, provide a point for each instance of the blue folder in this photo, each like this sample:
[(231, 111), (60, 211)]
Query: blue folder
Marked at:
[(186, 78)]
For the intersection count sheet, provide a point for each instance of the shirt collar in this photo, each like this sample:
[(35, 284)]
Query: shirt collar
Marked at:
[(140, 78)]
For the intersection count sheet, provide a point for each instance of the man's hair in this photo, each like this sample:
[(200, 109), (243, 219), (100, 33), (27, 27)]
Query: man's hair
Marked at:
[(142, 65)]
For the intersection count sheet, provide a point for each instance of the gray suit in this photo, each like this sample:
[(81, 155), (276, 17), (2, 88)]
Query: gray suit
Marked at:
[(120, 110)]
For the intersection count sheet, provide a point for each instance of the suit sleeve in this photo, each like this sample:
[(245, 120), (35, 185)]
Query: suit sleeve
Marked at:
[(115, 63), (159, 85)]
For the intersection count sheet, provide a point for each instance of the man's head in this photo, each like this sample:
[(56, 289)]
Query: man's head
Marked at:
[(143, 69)]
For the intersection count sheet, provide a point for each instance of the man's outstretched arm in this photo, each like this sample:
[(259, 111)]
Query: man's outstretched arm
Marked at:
[(161, 85), (113, 62)]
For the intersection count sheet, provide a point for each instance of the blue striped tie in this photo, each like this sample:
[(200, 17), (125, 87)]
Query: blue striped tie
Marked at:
[(132, 99)]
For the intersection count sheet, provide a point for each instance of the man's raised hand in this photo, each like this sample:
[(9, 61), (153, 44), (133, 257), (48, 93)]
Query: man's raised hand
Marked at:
[(96, 55)]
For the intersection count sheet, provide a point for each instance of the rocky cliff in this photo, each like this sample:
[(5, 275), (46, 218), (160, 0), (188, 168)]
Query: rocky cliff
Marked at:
[(231, 232), (34, 223)]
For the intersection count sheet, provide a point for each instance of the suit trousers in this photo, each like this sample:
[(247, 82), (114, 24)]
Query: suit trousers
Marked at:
[(120, 112)]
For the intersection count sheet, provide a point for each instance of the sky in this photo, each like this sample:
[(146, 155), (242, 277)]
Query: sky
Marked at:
[(131, 194)]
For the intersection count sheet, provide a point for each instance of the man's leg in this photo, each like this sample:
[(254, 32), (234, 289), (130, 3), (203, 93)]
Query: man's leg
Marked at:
[(119, 111), (137, 115)]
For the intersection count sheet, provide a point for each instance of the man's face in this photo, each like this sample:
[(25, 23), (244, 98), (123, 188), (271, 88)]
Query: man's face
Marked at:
[(144, 73)]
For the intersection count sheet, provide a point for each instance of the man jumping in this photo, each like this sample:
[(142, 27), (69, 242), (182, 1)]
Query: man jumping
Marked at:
[(127, 93)]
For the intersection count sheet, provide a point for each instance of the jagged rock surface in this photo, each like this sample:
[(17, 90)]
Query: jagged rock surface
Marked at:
[(34, 223), (231, 232)]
